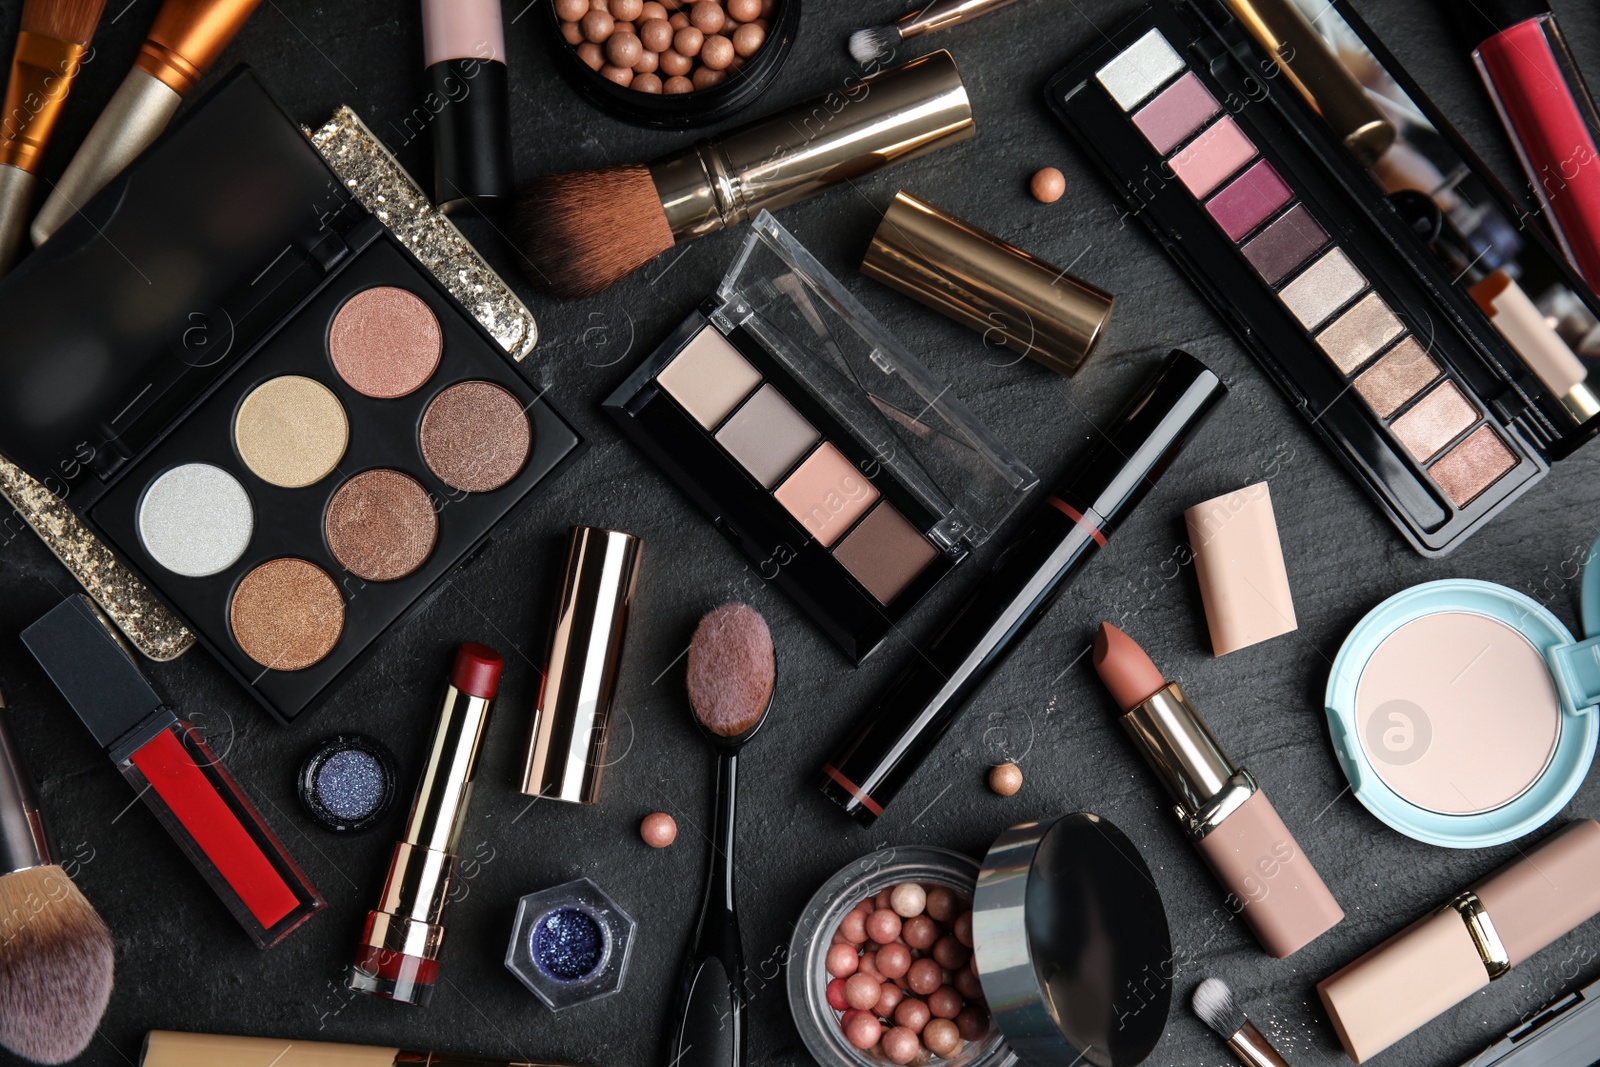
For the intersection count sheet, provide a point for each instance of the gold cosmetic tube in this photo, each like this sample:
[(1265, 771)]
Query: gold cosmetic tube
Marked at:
[(167, 1048)]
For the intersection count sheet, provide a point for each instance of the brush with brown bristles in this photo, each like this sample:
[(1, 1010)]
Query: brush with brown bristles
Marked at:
[(55, 36), (584, 231), (55, 950)]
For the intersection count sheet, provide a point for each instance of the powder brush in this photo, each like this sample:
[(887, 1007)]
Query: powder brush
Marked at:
[(584, 231), (185, 40), (55, 950), (873, 43), (54, 39)]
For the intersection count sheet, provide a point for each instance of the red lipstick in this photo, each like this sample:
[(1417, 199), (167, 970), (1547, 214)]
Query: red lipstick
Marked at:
[(1233, 825), (175, 771)]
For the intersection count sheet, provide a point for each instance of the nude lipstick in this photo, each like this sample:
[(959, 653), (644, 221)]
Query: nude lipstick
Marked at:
[(175, 771), (1270, 881), (465, 51), (1065, 533), (398, 957), (1548, 113), (1443, 958)]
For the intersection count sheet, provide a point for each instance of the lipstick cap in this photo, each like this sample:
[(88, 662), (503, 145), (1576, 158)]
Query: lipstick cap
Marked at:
[(1011, 297), (567, 747), (471, 136), (1533, 902), (1238, 562)]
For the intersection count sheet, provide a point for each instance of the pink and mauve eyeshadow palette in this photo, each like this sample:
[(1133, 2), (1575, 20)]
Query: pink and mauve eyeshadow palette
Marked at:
[(1180, 110)]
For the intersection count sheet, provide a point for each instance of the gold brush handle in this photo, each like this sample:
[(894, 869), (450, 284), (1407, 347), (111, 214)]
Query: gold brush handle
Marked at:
[(942, 14)]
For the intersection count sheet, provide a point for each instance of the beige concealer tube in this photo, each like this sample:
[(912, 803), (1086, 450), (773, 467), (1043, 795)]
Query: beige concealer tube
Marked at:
[(166, 1048), (1440, 960)]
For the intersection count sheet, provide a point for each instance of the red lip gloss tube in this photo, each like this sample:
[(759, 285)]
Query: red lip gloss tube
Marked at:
[(176, 773), (398, 957), (1548, 113), (1270, 881)]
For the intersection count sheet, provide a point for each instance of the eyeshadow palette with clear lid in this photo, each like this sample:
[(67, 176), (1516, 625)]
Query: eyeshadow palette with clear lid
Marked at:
[(254, 394), (1387, 284), (839, 465)]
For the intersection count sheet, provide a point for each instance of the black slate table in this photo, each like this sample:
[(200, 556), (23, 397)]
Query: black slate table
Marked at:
[(183, 964)]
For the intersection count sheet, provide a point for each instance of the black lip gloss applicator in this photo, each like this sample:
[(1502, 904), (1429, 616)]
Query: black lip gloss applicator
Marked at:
[(1074, 522)]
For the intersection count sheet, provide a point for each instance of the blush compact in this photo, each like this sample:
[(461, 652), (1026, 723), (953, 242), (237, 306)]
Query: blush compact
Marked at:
[(252, 392)]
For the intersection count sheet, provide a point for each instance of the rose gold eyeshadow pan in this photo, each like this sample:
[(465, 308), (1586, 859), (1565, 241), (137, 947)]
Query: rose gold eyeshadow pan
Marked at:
[(1320, 290)]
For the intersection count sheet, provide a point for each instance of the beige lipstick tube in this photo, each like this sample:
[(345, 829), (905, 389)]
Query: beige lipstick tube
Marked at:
[(1440, 960)]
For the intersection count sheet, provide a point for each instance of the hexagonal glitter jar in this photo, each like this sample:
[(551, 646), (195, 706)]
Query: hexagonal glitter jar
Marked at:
[(570, 944)]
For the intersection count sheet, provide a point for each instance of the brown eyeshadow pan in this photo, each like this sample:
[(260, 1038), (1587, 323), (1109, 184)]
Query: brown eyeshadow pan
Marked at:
[(885, 553), (286, 614), (1473, 466), (1400, 374), (475, 436), (381, 525)]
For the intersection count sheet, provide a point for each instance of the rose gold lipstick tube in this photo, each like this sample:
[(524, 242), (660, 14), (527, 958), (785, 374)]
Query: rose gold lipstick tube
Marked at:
[(1443, 958), (398, 957), (167, 1048), (1271, 883), (186, 39)]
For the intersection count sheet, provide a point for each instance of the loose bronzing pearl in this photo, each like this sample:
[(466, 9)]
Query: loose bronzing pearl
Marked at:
[(1048, 185), (1005, 779), (658, 830)]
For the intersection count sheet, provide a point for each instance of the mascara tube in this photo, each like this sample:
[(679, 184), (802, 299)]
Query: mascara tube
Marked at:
[(1074, 523)]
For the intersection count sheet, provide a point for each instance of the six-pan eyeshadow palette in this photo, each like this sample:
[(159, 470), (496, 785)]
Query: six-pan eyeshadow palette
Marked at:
[(1299, 261)]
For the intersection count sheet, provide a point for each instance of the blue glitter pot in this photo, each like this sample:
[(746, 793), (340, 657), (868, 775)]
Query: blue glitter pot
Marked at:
[(570, 944), (347, 783)]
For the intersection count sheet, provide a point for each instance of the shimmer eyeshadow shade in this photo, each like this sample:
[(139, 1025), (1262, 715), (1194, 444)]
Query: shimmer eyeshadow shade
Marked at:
[(1208, 159), (291, 431), (709, 378), (1435, 421), (381, 525), (826, 494), (196, 520), (885, 553), (768, 436), (1139, 70), (1473, 466), (1325, 286), (1248, 200), (1280, 248), (1181, 109), (1360, 332), (385, 342), (287, 614), (475, 436), (1397, 377)]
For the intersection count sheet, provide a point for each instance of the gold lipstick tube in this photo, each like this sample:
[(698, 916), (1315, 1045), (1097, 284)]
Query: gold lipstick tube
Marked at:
[(571, 725), (1316, 73), (398, 956), (186, 39), (167, 1048), (942, 14), (866, 125)]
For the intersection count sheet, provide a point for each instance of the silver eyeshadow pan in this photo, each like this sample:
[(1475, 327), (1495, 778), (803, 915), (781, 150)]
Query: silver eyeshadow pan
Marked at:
[(1260, 213), (807, 476)]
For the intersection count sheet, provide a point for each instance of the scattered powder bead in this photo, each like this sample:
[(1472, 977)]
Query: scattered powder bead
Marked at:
[(1048, 185), (659, 830), (1005, 779)]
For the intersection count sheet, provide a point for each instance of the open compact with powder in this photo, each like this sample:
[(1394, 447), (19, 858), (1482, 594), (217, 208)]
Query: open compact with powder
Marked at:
[(1464, 713), (1373, 266), (251, 391), (829, 455)]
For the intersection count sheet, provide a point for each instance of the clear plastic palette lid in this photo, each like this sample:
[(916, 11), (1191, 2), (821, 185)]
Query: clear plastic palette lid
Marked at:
[(905, 416)]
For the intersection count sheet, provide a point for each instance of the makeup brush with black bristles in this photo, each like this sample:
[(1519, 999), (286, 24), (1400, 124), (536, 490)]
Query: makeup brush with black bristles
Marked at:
[(584, 231), (55, 950), (1213, 1002), (879, 41), (50, 49)]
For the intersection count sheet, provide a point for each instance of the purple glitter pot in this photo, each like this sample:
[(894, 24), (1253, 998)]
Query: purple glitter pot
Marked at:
[(347, 783), (570, 944)]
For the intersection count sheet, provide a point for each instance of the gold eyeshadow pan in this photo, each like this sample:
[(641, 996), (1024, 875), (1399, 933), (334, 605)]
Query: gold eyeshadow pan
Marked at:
[(1250, 202)]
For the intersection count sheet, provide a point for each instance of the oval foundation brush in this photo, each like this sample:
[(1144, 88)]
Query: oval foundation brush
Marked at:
[(731, 676), (54, 39), (584, 231), (55, 950), (185, 40)]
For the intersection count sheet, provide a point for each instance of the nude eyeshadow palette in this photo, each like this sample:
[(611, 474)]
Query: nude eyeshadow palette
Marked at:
[(1366, 325), (827, 453), (263, 403)]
